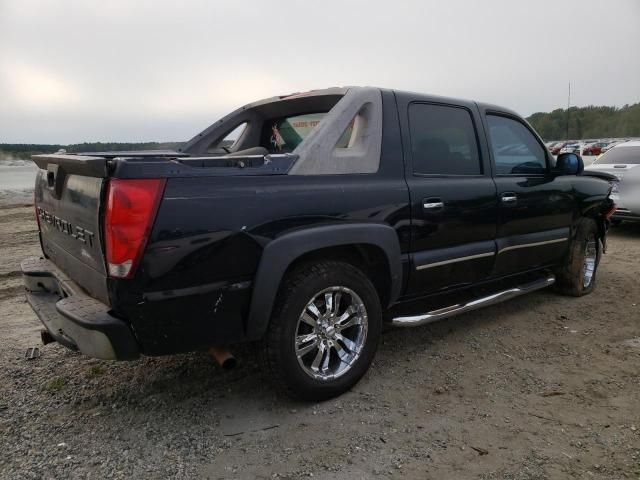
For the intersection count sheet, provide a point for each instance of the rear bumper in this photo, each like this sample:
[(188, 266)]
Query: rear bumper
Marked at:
[(73, 318)]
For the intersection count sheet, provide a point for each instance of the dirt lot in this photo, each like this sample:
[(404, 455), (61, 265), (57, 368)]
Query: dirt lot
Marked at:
[(543, 386)]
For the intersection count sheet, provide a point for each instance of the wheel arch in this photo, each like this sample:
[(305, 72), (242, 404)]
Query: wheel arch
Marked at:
[(372, 247), (599, 214)]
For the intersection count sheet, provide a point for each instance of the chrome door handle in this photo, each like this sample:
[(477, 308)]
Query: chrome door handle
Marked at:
[(509, 197), (432, 205)]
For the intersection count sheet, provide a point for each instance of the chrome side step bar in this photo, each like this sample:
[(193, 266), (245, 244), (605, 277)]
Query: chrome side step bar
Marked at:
[(452, 310)]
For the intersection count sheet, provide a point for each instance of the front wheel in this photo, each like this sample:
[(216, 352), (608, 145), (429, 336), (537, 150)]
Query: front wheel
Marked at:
[(577, 276), (324, 331)]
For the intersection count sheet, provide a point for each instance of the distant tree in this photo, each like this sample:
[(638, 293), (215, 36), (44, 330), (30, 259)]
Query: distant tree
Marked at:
[(588, 122)]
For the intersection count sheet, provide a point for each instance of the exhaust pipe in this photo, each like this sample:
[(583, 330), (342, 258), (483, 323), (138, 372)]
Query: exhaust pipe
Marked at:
[(46, 337), (223, 357)]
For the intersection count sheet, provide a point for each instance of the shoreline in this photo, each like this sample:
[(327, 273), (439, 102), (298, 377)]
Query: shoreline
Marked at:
[(16, 198)]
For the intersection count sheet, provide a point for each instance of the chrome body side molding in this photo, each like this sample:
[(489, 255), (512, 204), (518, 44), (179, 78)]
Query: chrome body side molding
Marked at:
[(534, 244), (454, 260), (435, 258)]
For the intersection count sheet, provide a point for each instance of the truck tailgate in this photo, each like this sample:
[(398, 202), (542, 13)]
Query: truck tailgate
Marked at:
[(68, 195)]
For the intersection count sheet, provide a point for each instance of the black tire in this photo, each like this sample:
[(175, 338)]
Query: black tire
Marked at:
[(570, 277), (299, 288)]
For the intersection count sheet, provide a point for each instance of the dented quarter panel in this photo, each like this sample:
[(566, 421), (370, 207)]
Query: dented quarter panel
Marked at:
[(213, 231)]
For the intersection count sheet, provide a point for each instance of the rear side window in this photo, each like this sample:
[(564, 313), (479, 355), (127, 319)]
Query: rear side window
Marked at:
[(283, 135), (443, 140), (229, 140), (515, 150)]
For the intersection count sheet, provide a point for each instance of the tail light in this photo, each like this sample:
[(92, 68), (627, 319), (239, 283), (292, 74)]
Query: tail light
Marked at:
[(130, 210)]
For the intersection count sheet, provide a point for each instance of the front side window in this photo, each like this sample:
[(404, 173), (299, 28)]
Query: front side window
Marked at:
[(443, 140), (515, 150)]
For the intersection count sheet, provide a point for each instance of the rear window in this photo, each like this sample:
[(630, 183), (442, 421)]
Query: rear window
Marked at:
[(620, 155), (283, 135)]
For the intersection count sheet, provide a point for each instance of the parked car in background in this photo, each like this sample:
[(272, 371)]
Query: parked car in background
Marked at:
[(585, 148), (623, 161), (610, 145), (594, 148), (571, 148), (629, 197), (551, 146), (555, 149)]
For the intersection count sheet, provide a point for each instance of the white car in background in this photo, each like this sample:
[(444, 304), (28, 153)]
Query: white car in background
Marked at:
[(623, 161), (614, 143)]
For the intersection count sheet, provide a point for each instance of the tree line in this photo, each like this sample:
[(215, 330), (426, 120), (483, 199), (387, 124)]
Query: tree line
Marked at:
[(588, 122), (25, 150), (583, 122)]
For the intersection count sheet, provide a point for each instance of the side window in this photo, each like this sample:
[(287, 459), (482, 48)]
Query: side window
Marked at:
[(443, 140), (284, 134), (228, 140), (515, 150)]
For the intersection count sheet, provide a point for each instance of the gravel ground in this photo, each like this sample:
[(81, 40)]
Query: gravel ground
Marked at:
[(540, 387)]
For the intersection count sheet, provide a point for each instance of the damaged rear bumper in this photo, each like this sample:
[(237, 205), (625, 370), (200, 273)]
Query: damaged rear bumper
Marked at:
[(73, 318)]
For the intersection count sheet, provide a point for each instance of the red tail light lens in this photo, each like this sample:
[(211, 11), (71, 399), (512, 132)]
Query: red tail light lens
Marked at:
[(130, 210)]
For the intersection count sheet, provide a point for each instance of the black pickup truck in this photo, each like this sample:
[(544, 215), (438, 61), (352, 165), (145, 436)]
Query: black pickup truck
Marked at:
[(305, 222)]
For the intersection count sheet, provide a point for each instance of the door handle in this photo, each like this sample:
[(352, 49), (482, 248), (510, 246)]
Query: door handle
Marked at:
[(509, 198), (432, 204)]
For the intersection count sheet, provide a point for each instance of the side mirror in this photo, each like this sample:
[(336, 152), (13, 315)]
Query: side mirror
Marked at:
[(569, 164)]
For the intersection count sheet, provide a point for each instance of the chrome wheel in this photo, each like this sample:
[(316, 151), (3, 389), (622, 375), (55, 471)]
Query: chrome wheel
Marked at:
[(331, 333), (590, 257)]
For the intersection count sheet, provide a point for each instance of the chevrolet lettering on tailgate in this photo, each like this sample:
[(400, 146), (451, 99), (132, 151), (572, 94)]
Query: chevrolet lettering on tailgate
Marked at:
[(81, 234)]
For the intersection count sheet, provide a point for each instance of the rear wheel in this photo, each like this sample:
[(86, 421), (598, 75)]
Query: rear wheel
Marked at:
[(577, 276), (324, 331)]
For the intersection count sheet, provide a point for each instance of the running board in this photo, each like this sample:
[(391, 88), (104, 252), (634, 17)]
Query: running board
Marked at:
[(492, 299)]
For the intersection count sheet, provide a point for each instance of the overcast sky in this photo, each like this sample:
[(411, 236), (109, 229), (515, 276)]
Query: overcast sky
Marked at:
[(111, 70)]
